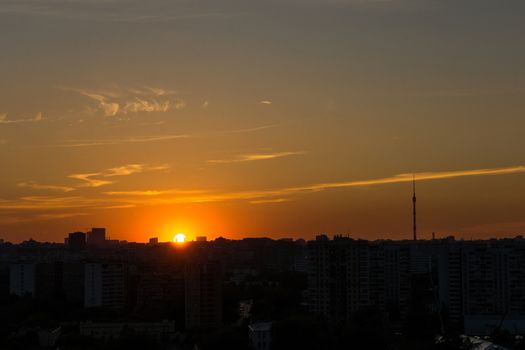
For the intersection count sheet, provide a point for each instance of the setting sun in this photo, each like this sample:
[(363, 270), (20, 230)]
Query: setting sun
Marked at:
[(179, 238)]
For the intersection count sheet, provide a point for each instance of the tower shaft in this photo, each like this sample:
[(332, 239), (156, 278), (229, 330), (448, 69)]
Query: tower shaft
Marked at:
[(414, 232)]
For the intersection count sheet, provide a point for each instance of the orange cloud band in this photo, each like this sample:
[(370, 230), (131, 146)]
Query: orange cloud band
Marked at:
[(121, 199)]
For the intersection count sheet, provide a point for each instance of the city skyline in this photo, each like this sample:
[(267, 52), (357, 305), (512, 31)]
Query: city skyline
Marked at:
[(155, 118)]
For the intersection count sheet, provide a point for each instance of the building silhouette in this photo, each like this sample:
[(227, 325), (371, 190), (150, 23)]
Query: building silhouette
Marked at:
[(96, 237), (466, 281), (203, 293), (22, 279), (260, 335), (76, 241), (475, 285), (347, 275), (105, 285)]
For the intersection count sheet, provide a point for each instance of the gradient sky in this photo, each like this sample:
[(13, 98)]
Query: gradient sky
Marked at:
[(248, 118)]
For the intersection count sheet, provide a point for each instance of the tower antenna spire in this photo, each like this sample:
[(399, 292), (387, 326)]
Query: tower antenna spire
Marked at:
[(414, 232)]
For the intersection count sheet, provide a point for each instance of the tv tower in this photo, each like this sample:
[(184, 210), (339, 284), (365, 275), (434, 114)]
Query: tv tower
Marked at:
[(414, 206)]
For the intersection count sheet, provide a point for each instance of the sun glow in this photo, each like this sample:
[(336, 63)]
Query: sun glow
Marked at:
[(179, 238)]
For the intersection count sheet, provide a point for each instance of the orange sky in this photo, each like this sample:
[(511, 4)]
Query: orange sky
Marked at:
[(284, 118)]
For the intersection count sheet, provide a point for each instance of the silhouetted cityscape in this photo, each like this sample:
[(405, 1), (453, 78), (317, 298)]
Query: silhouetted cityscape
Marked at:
[(261, 293), (262, 175)]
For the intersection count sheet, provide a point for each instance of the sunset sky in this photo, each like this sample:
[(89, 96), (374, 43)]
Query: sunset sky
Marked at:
[(278, 118)]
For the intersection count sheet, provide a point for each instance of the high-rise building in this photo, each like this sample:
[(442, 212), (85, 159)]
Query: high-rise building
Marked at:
[(77, 241), (22, 279), (96, 237), (157, 288), (474, 281), (105, 284), (260, 335), (73, 281), (397, 277), (347, 275), (344, 276), (319, 279), (203, 293), (490, 285), (449, 278)]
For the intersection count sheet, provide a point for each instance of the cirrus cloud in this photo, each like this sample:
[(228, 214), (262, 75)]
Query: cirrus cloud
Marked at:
[(96, 179), (279, 194), (37, 186), (132, 198), (3, 119), (255, 157), (131, 100)]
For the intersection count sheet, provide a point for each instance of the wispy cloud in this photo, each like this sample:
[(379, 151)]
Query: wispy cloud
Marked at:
[(124, 199), (140, 105), (125, 170), (134, 168), (155, 138), (266, 201), (54, 216), (261, 196), (109, 109), (89, 180), (180, 104), (156, 91), (132, 100), (256, 128), (265, 102), (37, 186), (3, 119), (95, 179), (147, 193), (255, 157), (408, 178), (120, 206), (119, 141), (47, 203), (28, 216)]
